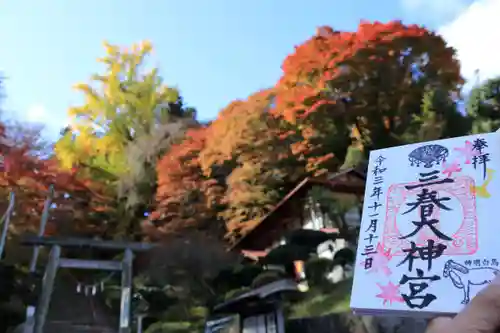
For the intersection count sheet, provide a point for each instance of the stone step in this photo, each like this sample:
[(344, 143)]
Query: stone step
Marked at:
[(67, 327)]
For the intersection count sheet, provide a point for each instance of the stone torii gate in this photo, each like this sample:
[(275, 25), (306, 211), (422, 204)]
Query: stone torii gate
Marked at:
[(36, 316), (55, 262)]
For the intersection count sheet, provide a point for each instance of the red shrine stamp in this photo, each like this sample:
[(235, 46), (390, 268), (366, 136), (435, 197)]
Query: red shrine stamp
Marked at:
[(462, 227)]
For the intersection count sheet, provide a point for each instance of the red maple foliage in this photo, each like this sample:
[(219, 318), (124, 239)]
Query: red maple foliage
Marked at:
[(183, 193), (372, 79), (29, 177)]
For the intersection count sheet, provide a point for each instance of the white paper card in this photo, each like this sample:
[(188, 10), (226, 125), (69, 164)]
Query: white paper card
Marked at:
[(429, 236)]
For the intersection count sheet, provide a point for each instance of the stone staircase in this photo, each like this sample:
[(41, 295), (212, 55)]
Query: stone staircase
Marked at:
[(72, 312)]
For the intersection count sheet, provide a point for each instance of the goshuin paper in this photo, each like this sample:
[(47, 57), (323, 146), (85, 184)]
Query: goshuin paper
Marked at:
[(430, 230)]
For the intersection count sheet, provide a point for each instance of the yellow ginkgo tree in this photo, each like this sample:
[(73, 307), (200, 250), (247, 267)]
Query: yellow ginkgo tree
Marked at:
[(124, 106)]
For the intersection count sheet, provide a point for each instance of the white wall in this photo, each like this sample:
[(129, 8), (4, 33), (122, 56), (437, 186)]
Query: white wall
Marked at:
[(316, 221)]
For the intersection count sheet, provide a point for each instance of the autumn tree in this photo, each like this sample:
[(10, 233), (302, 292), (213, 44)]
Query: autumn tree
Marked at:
[(230, 172), (127, 121), (365, 89), (25, 134), (248, 154), (341, 94), (28, 172), (185, 197)]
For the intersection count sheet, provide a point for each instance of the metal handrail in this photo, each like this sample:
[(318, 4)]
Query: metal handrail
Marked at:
[(6, 222), (43, 224)]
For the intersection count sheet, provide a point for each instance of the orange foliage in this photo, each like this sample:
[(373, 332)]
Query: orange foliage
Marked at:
[(239, 129), (338, 90), (182, 166), (244, 146), (184, 195)]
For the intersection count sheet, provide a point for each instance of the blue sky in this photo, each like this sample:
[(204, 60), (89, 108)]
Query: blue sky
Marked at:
[(213, 50)]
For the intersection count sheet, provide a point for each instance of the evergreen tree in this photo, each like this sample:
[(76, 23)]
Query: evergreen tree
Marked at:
[(484, 106)]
